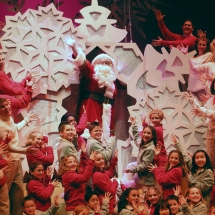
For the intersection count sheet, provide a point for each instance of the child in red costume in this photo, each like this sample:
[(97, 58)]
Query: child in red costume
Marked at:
[(156, 116), (41, 187), (45, 153), (171, 176), (101, 179), (74, 178)]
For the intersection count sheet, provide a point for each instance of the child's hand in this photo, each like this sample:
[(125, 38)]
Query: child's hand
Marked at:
[(31, 150), (84, 109), (55, 183), (107, 197), (49, 171), (177, 190), (141, 195), (174, 139), (56, 198), (83, 149), (141, 208), (182, 200), (33, 117), (9, 160), (10, 136), (188, 176), (3, 148), (133, 120), (151, 167), (97, 208), (92, 155), (116, 153), (157, 149)]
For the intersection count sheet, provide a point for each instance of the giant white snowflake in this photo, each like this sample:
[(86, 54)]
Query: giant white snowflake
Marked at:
[(179, 120), (35, 40)]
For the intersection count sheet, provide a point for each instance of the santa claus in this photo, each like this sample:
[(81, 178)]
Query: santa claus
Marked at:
[(98, 90)]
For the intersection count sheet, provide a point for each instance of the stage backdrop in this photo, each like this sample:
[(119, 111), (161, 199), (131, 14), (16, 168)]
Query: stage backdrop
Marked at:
[(35, 40)]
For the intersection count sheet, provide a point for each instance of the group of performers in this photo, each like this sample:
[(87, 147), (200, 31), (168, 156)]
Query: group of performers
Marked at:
[(87, 167)]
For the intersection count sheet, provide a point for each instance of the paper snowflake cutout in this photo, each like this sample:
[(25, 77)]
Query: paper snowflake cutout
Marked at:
[(179, 120), (97, 26), (36, 40)]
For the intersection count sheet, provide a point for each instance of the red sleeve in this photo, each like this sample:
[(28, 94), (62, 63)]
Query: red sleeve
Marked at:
[(83, 162), (9, 87), (186, 41), (165, 178), (38, 189), (45, 139), (166, 33), (104, 183), (112, 167), (45, 156), (75, 178), (87, 70), (82, 124), (81, 142), (19, 103)]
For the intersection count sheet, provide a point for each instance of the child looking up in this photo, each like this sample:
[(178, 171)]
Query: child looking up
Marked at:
[(194, 204), (45, 153)]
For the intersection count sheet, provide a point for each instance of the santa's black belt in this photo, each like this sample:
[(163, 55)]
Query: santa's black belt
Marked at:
[(100, 98)]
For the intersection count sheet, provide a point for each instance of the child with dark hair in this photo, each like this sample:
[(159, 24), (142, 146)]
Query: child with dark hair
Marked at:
[(194, 204), (130, 204), (201, 175), (162, 207), (40, 186), (94, 142), (171, 176), (143, 178), (74, 178), (71, 119), (29, 207), (174, 204), (92, 199)]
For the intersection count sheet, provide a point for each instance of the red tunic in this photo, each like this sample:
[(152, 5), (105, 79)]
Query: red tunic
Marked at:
[(74, 183), (93, 107), (10, 87), (175, 39), (168, 179), (102, 183), (44, 156), (41, 192), (80, 130)]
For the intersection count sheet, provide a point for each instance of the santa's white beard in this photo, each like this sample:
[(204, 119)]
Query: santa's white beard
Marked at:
[(104, 75)]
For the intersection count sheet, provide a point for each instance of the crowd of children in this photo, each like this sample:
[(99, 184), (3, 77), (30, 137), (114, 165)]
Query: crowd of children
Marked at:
[(87, 172)]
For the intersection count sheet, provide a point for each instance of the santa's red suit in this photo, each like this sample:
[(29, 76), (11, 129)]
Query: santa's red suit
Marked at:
[(98, 101)]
